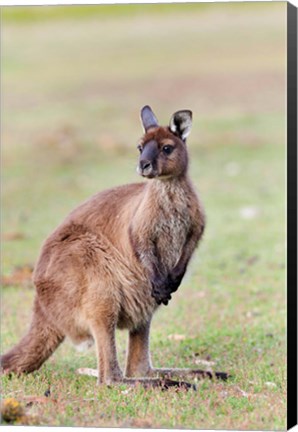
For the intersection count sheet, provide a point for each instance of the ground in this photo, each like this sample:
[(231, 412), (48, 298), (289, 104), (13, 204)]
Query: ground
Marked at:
[(73, 85)]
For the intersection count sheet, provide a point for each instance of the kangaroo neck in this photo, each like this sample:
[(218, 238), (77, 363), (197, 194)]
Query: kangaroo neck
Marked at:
[(171, 189), (168, 183)]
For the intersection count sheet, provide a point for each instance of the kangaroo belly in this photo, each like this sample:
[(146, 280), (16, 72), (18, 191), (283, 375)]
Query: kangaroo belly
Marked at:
[(137, 305)]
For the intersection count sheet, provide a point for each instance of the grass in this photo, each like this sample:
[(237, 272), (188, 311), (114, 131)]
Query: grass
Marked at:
[(72, 93)]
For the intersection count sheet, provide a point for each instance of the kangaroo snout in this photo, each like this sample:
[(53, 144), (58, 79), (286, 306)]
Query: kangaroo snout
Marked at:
[(145, 168), (145, 165), (147, 161)]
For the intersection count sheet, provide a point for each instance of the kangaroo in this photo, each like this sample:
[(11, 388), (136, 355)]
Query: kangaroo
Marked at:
[(115, 259)]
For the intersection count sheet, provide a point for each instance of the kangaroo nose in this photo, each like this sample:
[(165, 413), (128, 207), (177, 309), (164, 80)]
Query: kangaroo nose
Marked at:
[(145, 164)]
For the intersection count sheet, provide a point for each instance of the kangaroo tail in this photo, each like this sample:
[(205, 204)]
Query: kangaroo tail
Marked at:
[(35, 347)]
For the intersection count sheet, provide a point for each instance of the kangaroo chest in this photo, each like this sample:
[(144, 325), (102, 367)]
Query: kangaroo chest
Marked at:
[(171, 228), (161, 225)]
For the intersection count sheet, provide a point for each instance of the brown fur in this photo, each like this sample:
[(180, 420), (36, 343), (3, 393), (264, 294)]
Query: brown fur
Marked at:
[(112, 261)]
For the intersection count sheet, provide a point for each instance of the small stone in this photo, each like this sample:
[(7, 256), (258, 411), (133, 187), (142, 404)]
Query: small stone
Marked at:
[(176, 337), (270, 384)]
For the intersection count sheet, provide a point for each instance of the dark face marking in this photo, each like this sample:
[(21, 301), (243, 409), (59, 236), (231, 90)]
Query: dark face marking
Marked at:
[(147, 162)]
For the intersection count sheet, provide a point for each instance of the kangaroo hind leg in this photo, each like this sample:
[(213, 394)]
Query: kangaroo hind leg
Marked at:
[(139, 369), (139, 363), (108, 369)]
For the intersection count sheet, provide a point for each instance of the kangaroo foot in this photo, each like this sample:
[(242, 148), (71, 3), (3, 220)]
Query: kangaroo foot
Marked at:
[(222, 375), (208, 374), (162, 383), (195, 373)]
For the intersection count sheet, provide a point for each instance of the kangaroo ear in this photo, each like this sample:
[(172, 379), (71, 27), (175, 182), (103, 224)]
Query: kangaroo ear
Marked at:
[(148, 118), (180, 123)]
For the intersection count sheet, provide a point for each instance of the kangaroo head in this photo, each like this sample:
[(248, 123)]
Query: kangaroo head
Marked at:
[(163, 152)]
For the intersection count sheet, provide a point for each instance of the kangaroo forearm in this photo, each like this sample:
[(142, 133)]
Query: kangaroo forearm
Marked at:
[(156, 275), (153, 269), (170, 283), (178, 272), (162, 290), (148, 256)]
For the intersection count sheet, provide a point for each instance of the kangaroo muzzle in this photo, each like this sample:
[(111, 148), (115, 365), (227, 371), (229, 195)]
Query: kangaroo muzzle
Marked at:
[(147, 163)]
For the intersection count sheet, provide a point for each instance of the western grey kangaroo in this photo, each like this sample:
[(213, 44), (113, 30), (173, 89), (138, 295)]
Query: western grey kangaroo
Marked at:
[(115, 259)]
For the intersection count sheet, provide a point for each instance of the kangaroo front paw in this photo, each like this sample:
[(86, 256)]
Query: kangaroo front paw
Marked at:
[(163, 288), (160, 292), (161, 298)]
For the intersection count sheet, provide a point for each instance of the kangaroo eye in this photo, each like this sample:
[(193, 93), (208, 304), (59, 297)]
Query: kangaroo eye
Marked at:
[(167, 149), (140, 148)]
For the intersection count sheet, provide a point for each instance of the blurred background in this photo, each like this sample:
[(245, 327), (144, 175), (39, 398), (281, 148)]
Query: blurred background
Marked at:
[(73, 82), (75, 78)]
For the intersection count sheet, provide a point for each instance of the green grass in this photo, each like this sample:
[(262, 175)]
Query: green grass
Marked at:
[(72, 94)]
